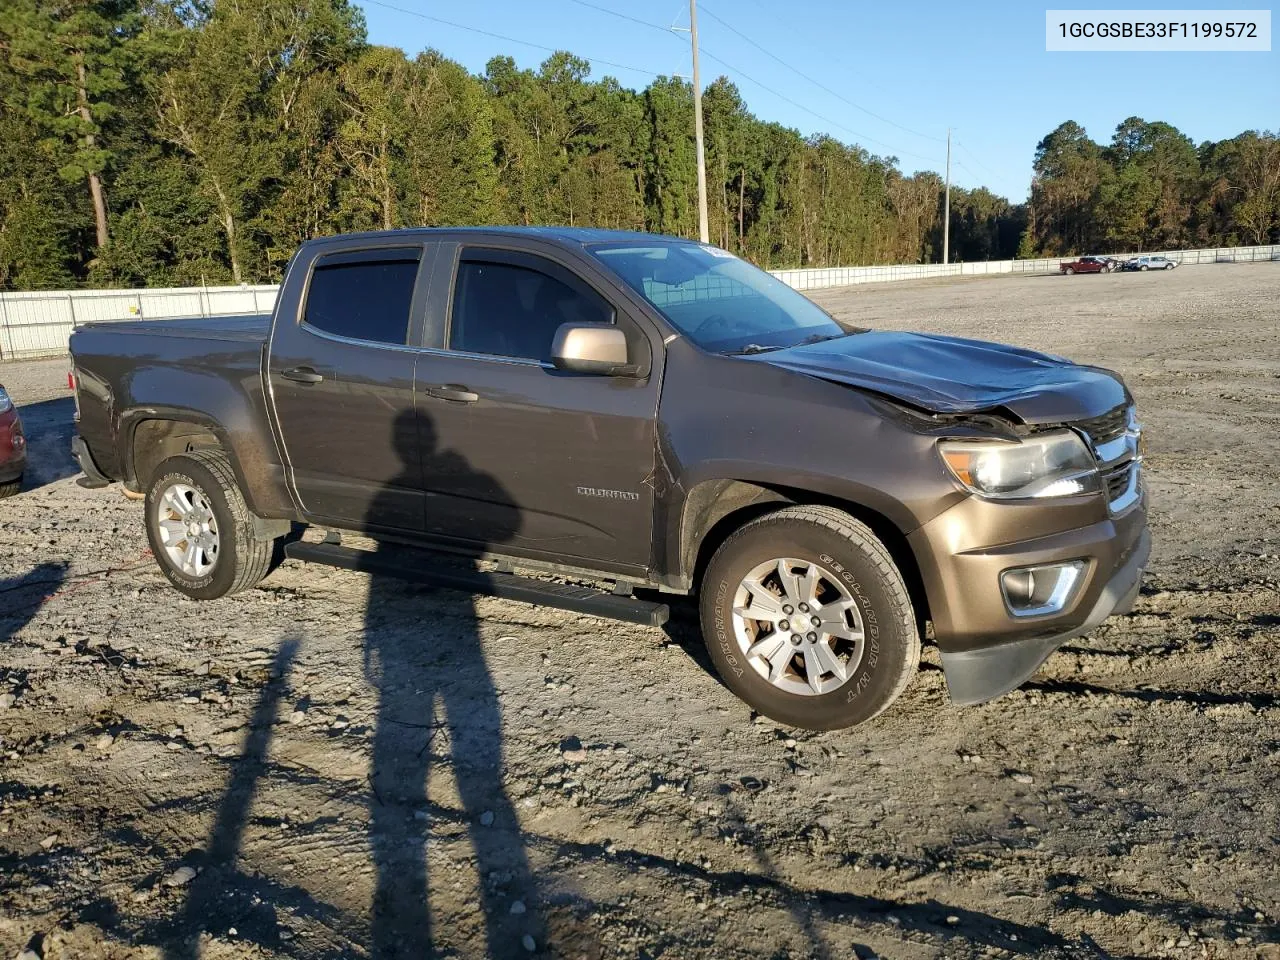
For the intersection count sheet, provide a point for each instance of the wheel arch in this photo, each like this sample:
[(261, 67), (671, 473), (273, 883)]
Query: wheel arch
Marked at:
[(152, 439), (149, 435), (716, 508)]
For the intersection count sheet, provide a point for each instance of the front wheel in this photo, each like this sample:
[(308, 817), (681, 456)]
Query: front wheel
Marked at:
[(808, 620), (1143, 268), (201, 530), (10, 488)]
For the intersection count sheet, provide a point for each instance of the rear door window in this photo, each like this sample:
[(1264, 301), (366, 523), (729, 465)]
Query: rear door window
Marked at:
[(364, 295), (511, 306)]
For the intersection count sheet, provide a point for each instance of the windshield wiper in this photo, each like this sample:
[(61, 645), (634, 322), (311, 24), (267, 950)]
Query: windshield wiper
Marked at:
[(818, 338), (757, 348)]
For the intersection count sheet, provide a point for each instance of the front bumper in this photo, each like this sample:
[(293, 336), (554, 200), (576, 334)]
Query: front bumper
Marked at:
[(975, 676), (986, 651)]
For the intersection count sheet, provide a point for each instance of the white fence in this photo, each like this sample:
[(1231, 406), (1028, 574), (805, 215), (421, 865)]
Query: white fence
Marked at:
[(848, 276), (37, 324)]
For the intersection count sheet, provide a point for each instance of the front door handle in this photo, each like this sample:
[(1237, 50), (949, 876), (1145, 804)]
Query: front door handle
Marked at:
[(453, 391), (301, 375)]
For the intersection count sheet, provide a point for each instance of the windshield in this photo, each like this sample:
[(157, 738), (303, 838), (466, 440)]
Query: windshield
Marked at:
[(721, 303)]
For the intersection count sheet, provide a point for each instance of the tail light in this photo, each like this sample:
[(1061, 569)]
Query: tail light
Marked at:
[(71, 380), (73, 386)]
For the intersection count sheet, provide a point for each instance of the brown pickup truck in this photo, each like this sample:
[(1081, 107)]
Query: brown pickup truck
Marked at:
[(611, 412)]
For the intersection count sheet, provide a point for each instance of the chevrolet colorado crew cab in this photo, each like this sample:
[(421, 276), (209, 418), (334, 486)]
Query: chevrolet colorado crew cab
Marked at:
[(635, 412)]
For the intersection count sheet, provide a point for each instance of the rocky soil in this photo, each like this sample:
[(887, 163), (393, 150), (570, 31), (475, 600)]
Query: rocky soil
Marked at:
[(332, 767)]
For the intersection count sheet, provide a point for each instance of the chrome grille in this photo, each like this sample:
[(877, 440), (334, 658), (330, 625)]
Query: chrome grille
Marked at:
[(1107, 427), (1117, 482), (1116, 441)]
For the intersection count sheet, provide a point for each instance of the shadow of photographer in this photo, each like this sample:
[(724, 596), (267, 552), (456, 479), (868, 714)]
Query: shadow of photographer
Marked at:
[(438, 710)]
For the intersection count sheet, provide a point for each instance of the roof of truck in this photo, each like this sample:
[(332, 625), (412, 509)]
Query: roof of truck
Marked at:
[(580, 235)]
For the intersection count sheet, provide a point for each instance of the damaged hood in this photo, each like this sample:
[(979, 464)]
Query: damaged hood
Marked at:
[(954, 375)]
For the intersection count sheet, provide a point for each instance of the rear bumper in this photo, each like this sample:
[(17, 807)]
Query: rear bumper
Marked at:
[(986, 651), (13, 468), (13, 447), (93, 477)]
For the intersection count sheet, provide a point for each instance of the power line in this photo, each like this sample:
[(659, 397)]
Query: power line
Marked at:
[(499, 36), (821, 86), (974, 158), (624, 16), (800, 106), (764, 86), (668, 31)]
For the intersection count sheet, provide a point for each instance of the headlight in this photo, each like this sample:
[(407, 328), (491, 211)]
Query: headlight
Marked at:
[(1056, 464), (5, 403)]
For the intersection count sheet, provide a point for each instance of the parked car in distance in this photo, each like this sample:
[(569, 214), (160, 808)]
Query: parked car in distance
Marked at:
[(13, 446), (1088, 265), (635, 411), (1150, 263)]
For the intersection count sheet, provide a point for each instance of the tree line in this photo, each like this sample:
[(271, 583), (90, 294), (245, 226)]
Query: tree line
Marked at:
[(1152, 188), (172, 142)]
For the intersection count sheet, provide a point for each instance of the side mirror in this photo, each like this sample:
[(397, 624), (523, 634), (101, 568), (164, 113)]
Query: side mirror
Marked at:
[(590, 348)]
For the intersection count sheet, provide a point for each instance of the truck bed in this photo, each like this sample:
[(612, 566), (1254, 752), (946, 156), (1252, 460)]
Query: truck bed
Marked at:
[(209, 365), (252, 327)]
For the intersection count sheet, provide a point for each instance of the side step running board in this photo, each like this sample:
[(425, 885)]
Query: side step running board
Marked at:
[(416, 565)]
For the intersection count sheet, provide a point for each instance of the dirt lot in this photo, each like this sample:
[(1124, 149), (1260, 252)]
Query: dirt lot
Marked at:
[(328, 768)]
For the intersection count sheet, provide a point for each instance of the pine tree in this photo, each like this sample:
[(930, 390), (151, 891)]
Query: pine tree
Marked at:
[(74, 61)]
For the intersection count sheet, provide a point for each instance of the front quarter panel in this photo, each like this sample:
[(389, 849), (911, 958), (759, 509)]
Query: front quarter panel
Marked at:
[(724, 418)]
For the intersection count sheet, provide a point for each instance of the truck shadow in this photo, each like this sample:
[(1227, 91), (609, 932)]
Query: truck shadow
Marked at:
[(1200, 698), (438, 717), (49, 426), (22, 597)]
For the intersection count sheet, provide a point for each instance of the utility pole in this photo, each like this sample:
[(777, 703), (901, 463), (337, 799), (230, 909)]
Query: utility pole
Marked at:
[(946, 207), (703, 231)]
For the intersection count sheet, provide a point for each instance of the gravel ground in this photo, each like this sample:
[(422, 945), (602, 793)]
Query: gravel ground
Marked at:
[(329, 767)]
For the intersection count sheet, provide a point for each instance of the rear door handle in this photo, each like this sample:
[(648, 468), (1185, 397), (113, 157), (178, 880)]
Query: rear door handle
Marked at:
[(301, 375), (453, 391)]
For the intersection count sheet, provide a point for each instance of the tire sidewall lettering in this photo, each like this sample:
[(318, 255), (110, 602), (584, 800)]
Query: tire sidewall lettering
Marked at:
[(871, 652), (722, 633)]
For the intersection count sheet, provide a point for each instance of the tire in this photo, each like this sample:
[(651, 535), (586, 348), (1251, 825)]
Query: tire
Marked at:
[(855, 571), (10, 488), (1168, 266), (1068, 271), (1144, 268), (240, 560)]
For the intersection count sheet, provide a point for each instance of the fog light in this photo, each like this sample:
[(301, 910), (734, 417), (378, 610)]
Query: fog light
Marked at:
[(1036, 591)]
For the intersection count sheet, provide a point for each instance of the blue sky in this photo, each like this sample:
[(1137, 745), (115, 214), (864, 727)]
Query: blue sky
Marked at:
[(913, 69)]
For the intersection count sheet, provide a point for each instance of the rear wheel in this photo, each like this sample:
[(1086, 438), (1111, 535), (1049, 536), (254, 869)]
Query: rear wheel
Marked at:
[(11, 488), (808, 619), (201, 530), (1068, 271)]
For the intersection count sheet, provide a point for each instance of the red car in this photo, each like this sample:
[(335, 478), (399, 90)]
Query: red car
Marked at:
[(13, 447), (1088, 265)]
